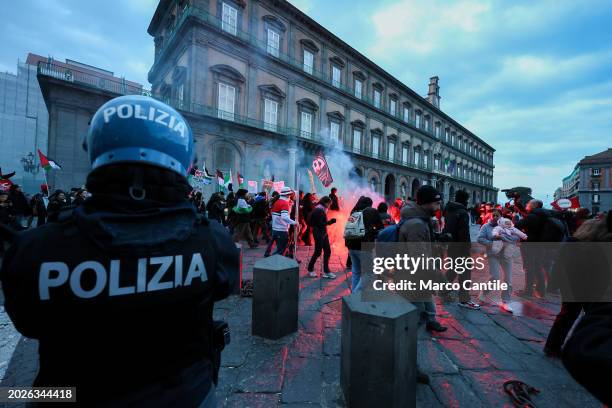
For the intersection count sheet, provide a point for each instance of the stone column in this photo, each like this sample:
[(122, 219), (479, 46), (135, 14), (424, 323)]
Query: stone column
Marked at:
[(348, 131), (446, 192), (291, 170), (290, 106), (251, 89)]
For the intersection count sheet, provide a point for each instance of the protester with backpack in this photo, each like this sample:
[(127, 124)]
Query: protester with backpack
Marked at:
[(457, 224), (362, 226)]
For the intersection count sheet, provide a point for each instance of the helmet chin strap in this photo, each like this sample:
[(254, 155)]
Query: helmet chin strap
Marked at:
[(136, 190)]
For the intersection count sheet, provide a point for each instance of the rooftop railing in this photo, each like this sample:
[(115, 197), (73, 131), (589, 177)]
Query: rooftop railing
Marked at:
[(90, 79), (121, 87)]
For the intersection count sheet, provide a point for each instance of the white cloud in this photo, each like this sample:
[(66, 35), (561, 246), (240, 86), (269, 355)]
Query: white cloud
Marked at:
[(531, 72), (543, 180), (83, 36), (421, 27), (303, 5), (146, 7)]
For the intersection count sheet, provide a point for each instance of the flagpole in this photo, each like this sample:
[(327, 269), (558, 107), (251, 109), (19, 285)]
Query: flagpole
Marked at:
[(297, 213), (46, 182)]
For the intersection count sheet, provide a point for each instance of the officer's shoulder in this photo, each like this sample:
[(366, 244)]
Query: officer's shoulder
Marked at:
[(47, 233), (213, 226)]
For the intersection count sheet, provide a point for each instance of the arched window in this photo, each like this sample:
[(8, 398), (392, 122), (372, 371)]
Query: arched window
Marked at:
[(225, 158)]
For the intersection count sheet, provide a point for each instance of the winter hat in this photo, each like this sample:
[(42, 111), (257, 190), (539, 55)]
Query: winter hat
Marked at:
[(504, 222), (427, 194), (462, 197), (286, 191)]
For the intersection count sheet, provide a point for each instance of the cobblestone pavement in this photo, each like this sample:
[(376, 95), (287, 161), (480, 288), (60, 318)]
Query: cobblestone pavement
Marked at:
[(468, 363)]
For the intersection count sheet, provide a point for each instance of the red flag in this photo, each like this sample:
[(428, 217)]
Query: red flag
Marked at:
[(566, 203), (240, 179), (319, 164)]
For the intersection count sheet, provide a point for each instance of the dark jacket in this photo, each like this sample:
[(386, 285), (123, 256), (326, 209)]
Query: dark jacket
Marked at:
[(216, 208), (587, 354), (141, 312), (334, 206), (417, 225), (307, 208), (534, 225), (20, 203), (318, 220), (417, 229), (457, 222), (6, 213), (54, 208), (260, 209)]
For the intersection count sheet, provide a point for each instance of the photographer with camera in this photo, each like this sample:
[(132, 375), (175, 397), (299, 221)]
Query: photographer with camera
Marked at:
[(120, 291)]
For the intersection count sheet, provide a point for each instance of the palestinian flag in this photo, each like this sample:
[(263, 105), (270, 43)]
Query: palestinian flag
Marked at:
[(47, 163), (227, 179), (219, 177), (240, 179)]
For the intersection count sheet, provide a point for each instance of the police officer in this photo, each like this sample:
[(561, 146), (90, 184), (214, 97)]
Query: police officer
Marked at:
[(120, 294)]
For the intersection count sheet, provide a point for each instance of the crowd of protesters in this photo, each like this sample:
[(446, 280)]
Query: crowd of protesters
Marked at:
[(271, 218), (20, 211)]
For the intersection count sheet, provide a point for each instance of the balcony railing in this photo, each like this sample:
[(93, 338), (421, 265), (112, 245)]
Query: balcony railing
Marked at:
[(121, 87), (264, 48)]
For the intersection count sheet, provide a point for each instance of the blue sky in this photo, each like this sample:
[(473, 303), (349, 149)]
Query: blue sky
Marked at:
[(531, 78)]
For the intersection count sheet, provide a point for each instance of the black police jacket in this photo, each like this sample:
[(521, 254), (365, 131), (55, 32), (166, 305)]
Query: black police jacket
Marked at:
[(121, 300)]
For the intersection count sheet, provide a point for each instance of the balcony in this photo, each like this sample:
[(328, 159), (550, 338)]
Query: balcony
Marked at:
[(122, 87)]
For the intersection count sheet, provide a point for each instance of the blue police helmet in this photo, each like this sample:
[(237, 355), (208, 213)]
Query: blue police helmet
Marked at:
[(140, 129)]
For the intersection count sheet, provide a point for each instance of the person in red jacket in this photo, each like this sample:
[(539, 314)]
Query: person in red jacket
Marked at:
[(281, 220)]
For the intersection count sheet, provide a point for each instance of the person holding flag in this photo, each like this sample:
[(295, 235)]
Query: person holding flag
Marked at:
[(242, 211), (227, 180), (240, 180), (47, 163), (220, 178)]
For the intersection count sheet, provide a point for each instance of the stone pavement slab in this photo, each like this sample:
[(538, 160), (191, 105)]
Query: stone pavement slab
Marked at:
[(467, 364)]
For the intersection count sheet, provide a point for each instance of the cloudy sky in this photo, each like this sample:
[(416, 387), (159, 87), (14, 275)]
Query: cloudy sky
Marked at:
[(531, 78)]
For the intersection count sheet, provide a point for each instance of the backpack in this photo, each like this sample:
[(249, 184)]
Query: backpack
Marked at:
[(390, 234), (354, 227)]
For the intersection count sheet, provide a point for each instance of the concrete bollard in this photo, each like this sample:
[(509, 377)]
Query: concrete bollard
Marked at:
[(275, 297), (378, 352), (237, 286)]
